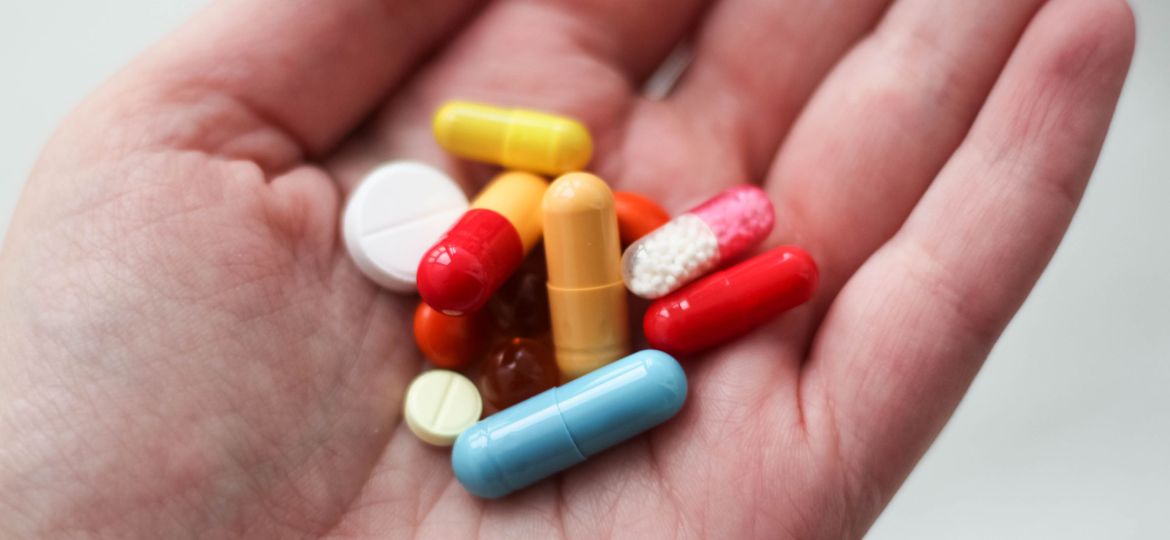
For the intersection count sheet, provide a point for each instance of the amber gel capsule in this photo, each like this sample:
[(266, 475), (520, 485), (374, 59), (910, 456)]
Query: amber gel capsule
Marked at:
[(586, 295), (520, 306), (513, 138), (516, 370)]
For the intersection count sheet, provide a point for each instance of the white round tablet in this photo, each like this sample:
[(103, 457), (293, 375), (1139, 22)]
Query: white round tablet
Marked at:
[(395, 215), (441, 404)]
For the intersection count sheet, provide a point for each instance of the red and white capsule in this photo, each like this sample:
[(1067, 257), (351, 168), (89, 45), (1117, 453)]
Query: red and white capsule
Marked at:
[(693, 243), (729, 303)]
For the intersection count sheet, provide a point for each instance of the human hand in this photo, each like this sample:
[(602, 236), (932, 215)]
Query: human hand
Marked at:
[(185, 348)]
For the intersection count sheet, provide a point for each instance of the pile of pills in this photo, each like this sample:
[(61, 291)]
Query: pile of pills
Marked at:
[(525, 287)]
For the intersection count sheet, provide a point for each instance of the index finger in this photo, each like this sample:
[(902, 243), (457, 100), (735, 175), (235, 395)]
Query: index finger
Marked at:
[(303, 70)]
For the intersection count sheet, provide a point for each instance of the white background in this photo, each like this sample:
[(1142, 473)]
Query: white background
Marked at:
[(1065, 434)]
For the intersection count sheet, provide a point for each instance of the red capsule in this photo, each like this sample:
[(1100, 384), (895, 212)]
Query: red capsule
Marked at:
[(482, 249), (468, 263), (731, 302)]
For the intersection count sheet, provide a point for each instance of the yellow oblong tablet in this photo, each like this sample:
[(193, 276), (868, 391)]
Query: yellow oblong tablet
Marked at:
[(440, 404), (513, 138), (586, 294)]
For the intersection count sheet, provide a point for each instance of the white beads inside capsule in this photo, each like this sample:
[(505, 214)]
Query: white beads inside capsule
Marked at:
[(666, 259)]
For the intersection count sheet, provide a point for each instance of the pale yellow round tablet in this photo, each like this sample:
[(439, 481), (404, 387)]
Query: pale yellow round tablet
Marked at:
[(440, 404)]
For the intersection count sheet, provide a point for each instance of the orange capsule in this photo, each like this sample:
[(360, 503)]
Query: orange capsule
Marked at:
[(449, 342), (637, 216)]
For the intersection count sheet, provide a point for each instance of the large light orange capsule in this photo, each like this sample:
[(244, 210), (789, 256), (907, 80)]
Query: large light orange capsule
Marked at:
[(586, 295), (513, 138)]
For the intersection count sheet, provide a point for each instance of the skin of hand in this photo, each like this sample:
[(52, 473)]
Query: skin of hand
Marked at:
[(186, 350)]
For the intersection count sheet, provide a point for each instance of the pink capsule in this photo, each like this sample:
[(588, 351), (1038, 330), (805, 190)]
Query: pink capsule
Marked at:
[(693, 243)]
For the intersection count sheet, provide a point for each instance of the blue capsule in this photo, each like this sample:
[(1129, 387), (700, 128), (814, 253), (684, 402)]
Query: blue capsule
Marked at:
[(562, 427)]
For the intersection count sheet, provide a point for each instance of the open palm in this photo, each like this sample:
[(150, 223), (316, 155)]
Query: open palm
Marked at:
[(185, 349)]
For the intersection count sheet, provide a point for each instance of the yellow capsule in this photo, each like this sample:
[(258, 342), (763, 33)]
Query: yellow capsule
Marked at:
[(586, 295), (514, 138)]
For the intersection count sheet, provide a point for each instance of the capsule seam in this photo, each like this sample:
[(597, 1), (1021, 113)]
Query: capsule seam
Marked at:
[(506, 149), (561, 415), (503, 475), (580, 289)]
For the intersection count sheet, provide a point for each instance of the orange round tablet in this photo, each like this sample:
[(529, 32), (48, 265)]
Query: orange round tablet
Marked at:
[(637, 216), (450, 342)]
